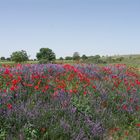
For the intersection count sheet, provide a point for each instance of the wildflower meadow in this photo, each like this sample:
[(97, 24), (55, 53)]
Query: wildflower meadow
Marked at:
[(69, 102)]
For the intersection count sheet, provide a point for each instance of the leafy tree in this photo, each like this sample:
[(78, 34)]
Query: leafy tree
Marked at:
[(97, 57), (2, 58), (8, 59), (45, 55), (19, 56), (120, 59), (84, 57), (61, 58), (76, 56), (68, 58)]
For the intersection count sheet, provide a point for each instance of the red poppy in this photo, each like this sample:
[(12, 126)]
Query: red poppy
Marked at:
[(137, 107), (9, 106), (126, 133), (12, 88), (124, 107), (70, 91), (29, 85), (36, 87), (46, 87), (116, 129), (14, 81), (4, 90), (137, 82), (138, 124), (85, 92), (7, 71)]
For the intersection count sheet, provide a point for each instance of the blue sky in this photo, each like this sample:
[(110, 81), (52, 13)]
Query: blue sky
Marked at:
[(104, 27)]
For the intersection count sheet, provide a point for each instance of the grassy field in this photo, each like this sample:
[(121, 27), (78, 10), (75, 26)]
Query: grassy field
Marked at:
[(130, 60)]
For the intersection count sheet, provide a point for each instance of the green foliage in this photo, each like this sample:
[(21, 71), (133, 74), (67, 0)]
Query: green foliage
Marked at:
[(2, 134), (30, 132), (8, 59), (2, 58), (46, 54), (68, 58), (43, 61), (84, 57), (19, 56), (120, 59), (61, 58), (95, 59), (76, 56)]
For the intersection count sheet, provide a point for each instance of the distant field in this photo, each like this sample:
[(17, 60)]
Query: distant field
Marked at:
[(130, 60), (11, 62)]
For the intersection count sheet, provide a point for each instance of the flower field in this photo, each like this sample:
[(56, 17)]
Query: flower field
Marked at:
[(69, 102)]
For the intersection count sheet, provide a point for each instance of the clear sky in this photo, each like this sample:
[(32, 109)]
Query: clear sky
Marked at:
[(104, 27)]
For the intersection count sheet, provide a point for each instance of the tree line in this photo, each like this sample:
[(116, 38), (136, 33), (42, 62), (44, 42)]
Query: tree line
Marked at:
[(46, 55)]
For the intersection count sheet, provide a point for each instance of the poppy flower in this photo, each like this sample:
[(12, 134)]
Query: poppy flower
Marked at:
[(138, 124), (9, 106), (36, 87)]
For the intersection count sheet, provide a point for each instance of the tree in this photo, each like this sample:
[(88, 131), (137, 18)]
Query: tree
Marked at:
[(8, 59), (120, 59), (45, 55), (68, 58), (95, 59), (2, 58), (76, 56), (84, 57), (19, 56), (61, 58)]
